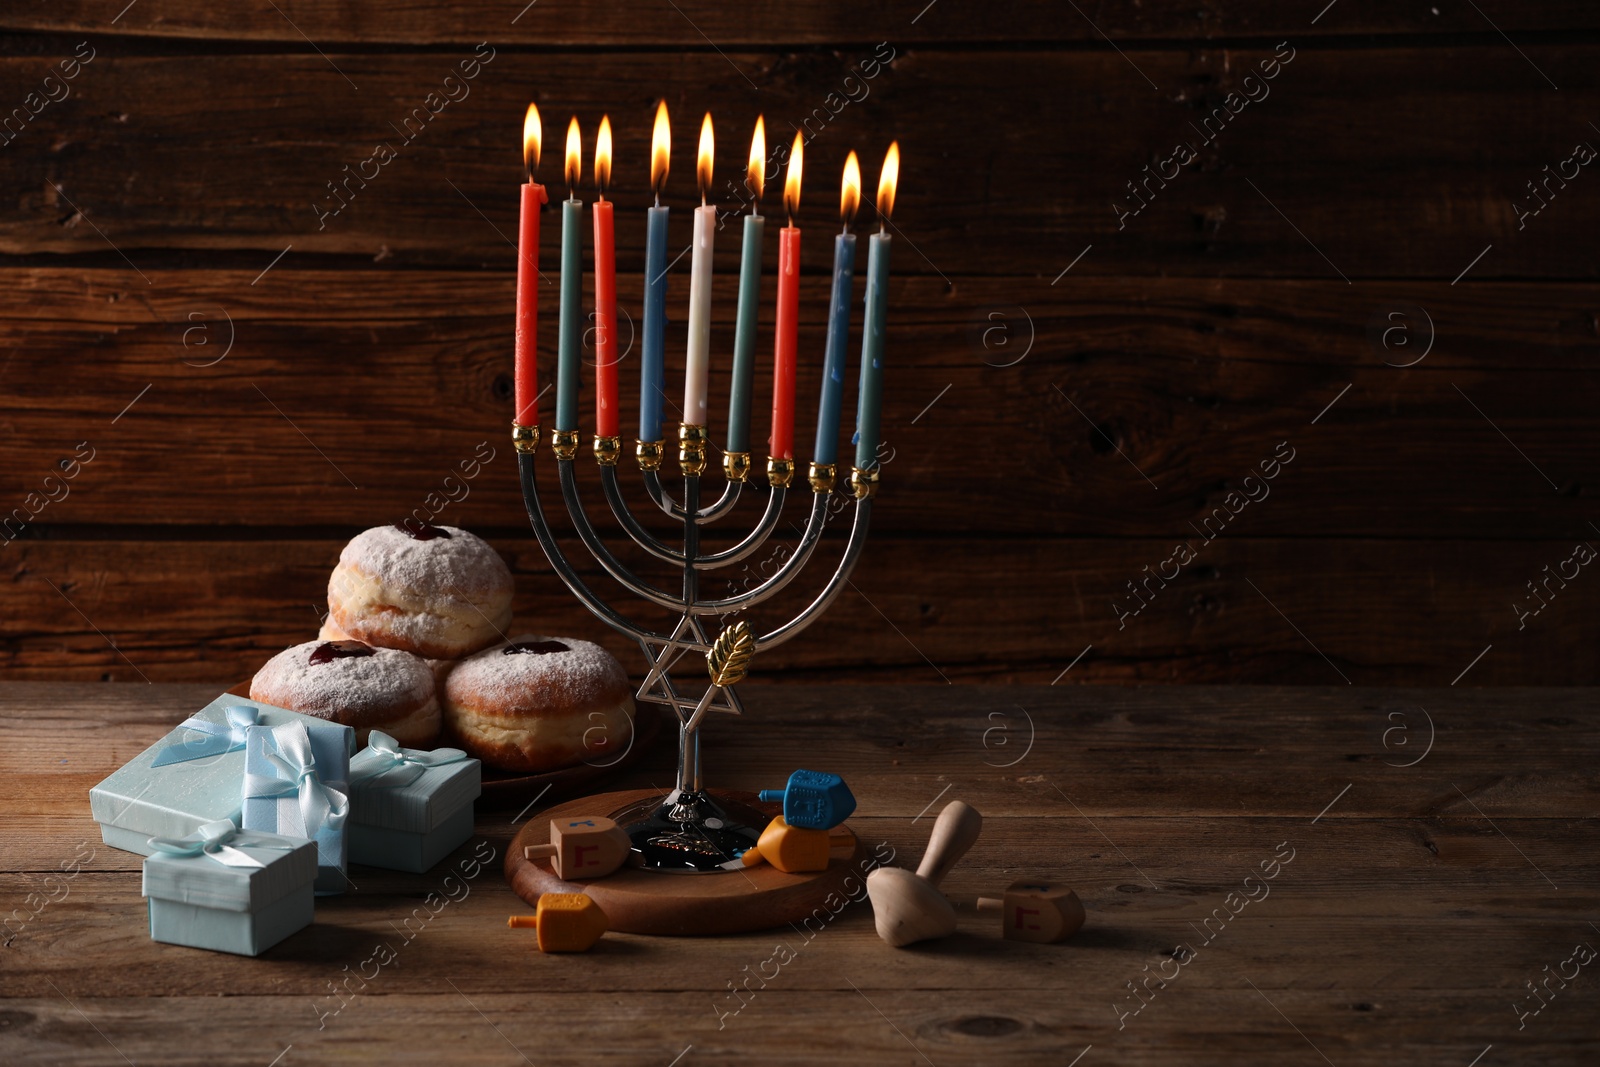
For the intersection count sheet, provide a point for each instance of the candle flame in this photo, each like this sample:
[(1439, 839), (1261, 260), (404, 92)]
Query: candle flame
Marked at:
[(660, 150), (756, 171), (602, 156), (791, 180), (708, 147), (574, 155), (887, 180), (850, 190), (532, 132)]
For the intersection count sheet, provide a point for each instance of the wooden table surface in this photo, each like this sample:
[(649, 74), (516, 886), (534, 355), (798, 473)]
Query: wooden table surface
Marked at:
[(1417, 903)]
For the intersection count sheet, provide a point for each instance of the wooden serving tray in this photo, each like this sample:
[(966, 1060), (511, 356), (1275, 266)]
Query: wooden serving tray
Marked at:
[(653, 902), (513, 787)]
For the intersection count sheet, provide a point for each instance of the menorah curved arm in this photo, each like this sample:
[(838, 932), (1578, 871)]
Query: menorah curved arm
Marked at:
[(753, 540), (652, 485), (641, 537), (786, 573), (558, 562), (597, 547), (841, 575)]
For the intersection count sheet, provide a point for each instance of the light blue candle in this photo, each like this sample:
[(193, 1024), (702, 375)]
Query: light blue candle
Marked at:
[(744, 336), (844, 273), (872, 335), (653, 377), (567, 369)]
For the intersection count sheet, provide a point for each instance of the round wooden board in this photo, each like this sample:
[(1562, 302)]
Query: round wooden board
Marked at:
[(514, 787), (639, 901)]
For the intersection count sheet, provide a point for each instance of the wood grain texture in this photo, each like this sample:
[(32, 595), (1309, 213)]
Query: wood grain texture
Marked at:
[(231, 153), (706, 24), (1013, 408), (1016, 610), (1413, 908)]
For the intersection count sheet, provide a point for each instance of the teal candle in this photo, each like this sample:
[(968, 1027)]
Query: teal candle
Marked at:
[(844, 273), (567, 352), (744, 336), (872, 335)]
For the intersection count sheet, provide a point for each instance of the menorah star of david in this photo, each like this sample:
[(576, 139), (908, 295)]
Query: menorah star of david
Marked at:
[(688, 829)]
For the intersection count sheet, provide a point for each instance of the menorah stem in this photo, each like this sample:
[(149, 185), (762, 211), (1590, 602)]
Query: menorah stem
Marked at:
[(689, 727)]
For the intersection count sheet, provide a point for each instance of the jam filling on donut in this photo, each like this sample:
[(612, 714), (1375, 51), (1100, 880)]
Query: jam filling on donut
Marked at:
[(329, 651), (533, 648), (420, 531)]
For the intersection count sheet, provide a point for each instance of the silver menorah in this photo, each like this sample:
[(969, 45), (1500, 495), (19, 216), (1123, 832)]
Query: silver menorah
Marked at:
[(688, 829)]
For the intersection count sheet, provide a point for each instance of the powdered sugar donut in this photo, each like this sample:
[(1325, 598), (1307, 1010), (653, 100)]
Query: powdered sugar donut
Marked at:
[(355, 684), (437, 591), (539, 703), (440, 667)]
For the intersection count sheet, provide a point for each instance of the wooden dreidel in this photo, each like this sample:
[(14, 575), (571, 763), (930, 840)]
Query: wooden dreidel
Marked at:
[(564, 922), (813, 800), (793, 850), (1037, 911), (591, 847), (908, 907)]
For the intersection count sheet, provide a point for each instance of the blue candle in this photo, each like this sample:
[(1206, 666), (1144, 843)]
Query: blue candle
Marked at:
[(744, 337), (844, 272), (872, 330), (567, 371), (653, 379)]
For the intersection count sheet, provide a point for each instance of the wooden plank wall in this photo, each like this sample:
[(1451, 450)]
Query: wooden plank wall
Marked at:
[(1096, 339)]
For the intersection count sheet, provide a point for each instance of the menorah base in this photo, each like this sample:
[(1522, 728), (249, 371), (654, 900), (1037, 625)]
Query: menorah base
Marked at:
[(642, 901), (691, 833)]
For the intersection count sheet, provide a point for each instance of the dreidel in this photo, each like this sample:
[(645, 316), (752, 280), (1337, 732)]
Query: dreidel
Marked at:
[(1037, 911), (564, 922), (590, 847), (908, 907), (793, 850), (813, 800)]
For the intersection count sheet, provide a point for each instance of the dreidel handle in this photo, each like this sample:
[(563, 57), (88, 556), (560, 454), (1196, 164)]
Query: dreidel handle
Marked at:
[(538, 852), (955, 831)]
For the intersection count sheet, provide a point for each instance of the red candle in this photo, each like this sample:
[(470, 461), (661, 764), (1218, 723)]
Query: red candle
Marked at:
[(786, 333), (605, 294), (533, 196)]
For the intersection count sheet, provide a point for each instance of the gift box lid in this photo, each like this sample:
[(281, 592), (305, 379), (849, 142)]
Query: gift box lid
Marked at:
[(177, 796), (410, 789), (217, 876)]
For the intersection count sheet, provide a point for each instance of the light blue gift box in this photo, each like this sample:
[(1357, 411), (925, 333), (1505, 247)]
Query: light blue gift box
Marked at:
[(296, 783), (409, 808), (229, 890), (190, 777)]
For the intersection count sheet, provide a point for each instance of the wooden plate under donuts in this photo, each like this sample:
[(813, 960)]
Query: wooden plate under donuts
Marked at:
[(516, 787), (638, 901)]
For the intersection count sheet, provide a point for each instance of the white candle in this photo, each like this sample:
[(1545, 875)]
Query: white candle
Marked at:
[(697, 375)]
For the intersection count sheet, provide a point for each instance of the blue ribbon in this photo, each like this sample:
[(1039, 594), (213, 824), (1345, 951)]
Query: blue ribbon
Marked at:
[(319, 805), (383, 764), (216, 840), (219, 737)]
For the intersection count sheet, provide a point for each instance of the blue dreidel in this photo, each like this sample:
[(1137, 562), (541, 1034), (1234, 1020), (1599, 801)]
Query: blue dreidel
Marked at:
[(813, 800)]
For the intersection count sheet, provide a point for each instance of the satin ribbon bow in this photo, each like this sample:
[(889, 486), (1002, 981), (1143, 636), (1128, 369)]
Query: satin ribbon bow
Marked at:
[(319, 805), (212, 840), (219, 737), (385, 765)]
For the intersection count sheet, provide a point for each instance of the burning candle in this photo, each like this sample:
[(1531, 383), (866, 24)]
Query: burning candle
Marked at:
[(652, 379), (533, 196), (605, 303), (872, 332), (779, 466), (697, 370), (571, 295), (844, 272), (744, 336)]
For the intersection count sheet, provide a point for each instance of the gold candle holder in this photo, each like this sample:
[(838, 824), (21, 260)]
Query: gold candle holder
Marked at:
[(524, 438), (863, 482), (564, 443), (692, 448), (780, 472), (821, 476), (607, 450), (649, 454), (736, 465)]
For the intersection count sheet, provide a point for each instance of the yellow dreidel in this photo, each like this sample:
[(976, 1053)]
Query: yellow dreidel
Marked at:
[(564, 922), (1037, 911), (793, 850), (588, 847)]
